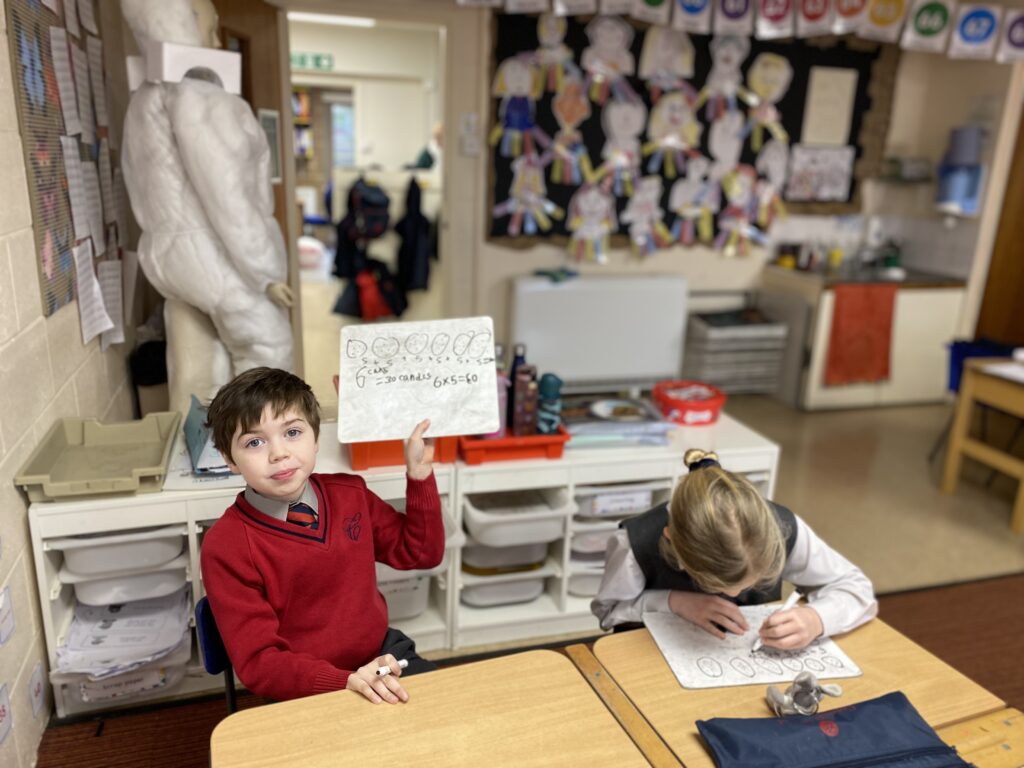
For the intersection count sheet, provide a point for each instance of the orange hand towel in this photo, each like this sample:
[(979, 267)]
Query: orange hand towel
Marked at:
[(858, 349)]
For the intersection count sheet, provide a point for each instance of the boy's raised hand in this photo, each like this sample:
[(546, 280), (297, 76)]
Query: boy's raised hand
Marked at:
[(419, 453), (378, 689)]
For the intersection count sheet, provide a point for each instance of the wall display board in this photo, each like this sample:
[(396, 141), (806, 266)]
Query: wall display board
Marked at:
[(604, 127)]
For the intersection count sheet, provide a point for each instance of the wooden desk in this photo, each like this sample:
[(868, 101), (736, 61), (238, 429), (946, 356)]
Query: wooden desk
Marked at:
[(889, 660), (977, 386), (527, 709), (995, 740)]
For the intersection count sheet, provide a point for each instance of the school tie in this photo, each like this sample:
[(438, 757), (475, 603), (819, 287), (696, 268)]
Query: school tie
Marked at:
[(303, 514)]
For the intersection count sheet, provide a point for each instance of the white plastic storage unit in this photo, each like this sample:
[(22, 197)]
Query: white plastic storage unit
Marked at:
[(615, 481)]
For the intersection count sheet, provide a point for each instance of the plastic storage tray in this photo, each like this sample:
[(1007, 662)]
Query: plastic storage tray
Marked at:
[(123, 586), (502, 593), (478, 450), (508, 518), (387, 453), (406, 598), (585, 582), (483, 560), (591, 542), (103, 553), (81, 457), (616, 500), (149, 680)]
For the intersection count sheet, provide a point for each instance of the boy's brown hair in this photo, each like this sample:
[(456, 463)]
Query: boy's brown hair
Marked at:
[(241, 402)]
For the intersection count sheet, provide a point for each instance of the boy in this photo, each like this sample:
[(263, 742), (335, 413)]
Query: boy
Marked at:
[(289, 568)]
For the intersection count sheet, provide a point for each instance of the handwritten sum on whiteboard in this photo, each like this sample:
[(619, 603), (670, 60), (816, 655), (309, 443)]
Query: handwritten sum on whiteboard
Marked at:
[(394, 375)]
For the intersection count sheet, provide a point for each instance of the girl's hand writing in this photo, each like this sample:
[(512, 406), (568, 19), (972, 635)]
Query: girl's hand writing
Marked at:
[(419, 453), (709, 612), (791, 629), (378, 689)]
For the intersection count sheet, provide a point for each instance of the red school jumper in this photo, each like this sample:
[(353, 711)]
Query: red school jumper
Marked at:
[(298, 609)]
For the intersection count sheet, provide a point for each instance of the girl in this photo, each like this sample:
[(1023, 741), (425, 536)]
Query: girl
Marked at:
[(718, 545)]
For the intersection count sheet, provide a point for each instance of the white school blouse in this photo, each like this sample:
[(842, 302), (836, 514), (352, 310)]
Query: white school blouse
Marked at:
[(837, 589)]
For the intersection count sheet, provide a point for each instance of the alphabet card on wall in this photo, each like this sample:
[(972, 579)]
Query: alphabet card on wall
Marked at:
[(394, 375), (700, 660)]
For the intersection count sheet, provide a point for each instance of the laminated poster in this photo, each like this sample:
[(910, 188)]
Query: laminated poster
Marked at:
[(813, 17), (774, 19), (820, 174), (884, 20), (976, 31), (652, 11), (928, 26), (35, 690), (1011, 44), (574, 7), (616, 7), (692, 16), (734, 17), (848, 16), (6, 713), (394, 375)]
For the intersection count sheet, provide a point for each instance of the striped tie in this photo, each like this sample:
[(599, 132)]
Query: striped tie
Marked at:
[(303, 514)]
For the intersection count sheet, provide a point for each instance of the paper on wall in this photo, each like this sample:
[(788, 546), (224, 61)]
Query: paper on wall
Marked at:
[(107, 184), (65, 80), (394, 375), (99, 91), (36, 691), (574, 7), (480, 3), (80, 62), (820, 174), (652, 11), (6, 713), (90, 300), (848, 15), (615, 7), (928, 25), (109, 275), (94, 205), (774, 19), (976, 31), (71, 17), (87, 13), (527, 6), (701, 660), (6, 615), (692, 16), (813, 17), (828, 109), (76, 188), (884, 20), (733, 17), (1011, 43)]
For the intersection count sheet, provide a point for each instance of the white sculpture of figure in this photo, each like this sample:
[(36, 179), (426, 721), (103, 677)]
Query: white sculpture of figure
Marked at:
[(196, 165)]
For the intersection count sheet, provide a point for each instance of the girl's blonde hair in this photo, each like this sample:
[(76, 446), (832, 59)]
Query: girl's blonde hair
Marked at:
[(720, 530)]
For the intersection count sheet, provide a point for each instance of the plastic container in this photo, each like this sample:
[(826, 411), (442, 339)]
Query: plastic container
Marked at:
[(124, 586), (391, 453), (80, 457), (502, 593), (585, 582), (517, 517), (591, 542), (614, 500), (100, 553), (406, 598), (478, 450), (483, 560), (688, 402)]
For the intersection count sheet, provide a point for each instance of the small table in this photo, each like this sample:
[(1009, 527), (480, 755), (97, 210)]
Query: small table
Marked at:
[(527, 709), (889, 661), (979, 386)]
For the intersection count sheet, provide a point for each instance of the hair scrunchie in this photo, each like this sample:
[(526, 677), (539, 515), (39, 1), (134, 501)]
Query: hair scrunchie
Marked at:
[(695, 459)]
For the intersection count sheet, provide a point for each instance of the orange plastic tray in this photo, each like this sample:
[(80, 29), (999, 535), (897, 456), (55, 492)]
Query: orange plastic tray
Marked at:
[(477, 450), (388, 453)]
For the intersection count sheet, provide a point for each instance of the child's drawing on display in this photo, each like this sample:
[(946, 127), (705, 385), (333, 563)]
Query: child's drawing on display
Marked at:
[(666, 63), (689, 201), (674, 132), (772, 163), (570, 163), (769, 78), (736, 222), (725, 143), (592, 219), (644, 215), (528, 205), (725, 80), (554, 56), (623, 122), (608, 60), (518, 83)]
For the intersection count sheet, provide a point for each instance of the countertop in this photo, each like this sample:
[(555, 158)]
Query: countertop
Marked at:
[(914, 278)]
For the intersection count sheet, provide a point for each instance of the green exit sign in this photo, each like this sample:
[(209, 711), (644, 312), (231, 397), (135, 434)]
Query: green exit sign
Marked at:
[(323, 62)]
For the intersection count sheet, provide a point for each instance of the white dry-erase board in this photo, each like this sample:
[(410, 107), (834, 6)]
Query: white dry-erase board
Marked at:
[(701, 660), (394, 375)]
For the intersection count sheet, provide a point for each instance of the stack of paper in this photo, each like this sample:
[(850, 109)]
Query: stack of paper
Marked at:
[(613, 422), (109, 640)]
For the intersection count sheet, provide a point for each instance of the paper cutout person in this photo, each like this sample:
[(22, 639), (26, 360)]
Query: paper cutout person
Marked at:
[(592, 218), (645, 217), (691, 199), (674, 132), (197, 169), (769, 78), (518, 83), (772, 163), (528, 203), (623, 122), (725, 80), (736, 226), (554, 57), (570, 163), (608, 60), (666, 62)]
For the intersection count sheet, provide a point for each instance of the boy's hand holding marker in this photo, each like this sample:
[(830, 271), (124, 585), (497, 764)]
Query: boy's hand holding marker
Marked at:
[(379, 688)]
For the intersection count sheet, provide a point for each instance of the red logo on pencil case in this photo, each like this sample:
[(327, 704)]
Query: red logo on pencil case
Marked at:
[(829, 728)]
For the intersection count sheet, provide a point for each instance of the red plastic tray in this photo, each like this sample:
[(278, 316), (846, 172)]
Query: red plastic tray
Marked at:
[(476, 450), (389, 453)]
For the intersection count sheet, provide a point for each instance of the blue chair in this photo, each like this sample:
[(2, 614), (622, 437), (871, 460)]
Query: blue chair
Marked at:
[(215, 656)]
